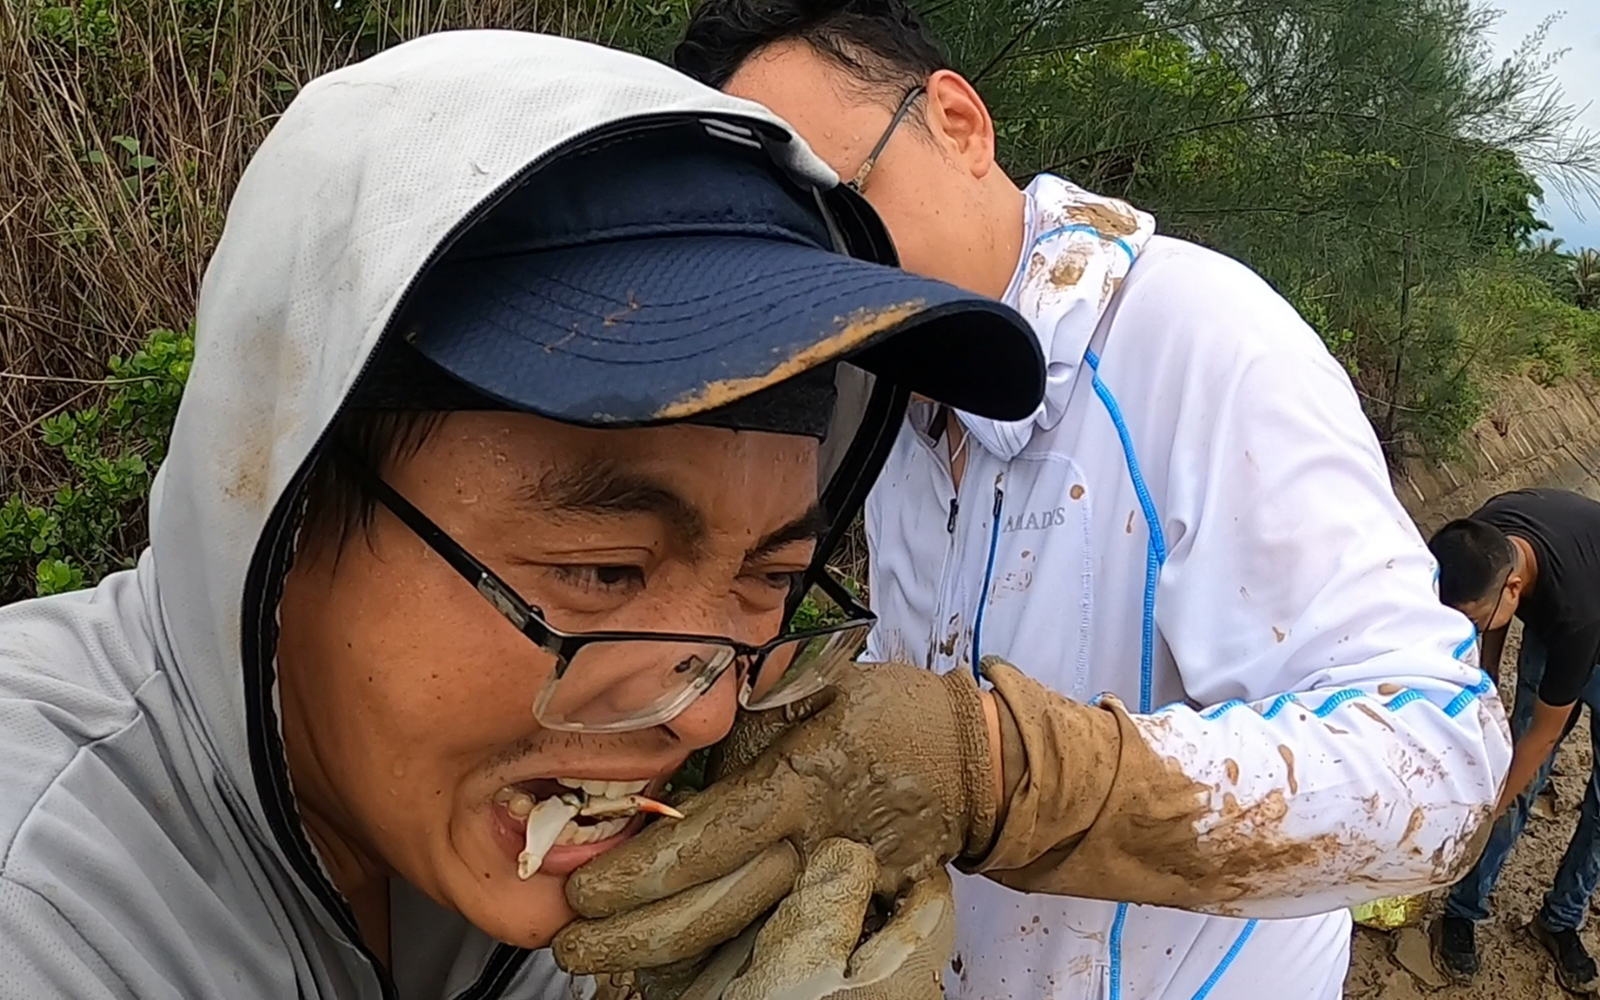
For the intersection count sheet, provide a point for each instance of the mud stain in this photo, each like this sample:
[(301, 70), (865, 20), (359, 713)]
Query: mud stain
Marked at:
[(1069, 268), (1288, 759), (1372, 714), (854, 330), (1108, 218)]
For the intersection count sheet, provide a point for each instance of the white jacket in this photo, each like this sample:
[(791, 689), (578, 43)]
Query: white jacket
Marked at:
[(1284, 612)]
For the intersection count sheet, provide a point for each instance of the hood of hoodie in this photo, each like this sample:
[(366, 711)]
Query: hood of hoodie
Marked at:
[(1077, 248), (360, 184)]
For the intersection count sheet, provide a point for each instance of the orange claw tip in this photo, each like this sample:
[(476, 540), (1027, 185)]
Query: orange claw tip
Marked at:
[(659, 808), (627, 805)]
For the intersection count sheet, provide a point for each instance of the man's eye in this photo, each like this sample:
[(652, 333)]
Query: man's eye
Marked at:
[(784, 581), (601, 578)]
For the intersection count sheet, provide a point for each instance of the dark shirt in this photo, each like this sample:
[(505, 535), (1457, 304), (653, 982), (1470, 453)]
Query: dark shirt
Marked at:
[(1563, 606)]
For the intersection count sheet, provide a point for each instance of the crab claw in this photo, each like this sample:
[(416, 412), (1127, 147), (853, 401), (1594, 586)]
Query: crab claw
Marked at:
[(627, 805)]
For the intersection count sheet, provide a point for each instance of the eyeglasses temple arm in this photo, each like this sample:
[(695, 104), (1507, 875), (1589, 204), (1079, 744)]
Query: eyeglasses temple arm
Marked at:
[(883, 140)]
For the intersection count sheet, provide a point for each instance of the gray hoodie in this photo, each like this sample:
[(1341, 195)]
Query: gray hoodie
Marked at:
[(149, 845)]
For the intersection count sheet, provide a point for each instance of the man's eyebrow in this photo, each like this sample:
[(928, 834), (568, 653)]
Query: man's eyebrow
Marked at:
[(808, 527), (602, 488)]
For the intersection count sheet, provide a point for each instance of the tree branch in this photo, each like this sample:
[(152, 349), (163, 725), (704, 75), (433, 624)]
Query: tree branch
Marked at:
[(1251, 119)]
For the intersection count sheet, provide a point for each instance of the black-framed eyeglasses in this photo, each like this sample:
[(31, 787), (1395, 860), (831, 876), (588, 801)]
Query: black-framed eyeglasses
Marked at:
[(621, 681), (860, 179)]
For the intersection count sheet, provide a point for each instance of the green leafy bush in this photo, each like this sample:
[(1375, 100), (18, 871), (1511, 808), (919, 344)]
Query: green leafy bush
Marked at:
[(817, 611), (92, 523)]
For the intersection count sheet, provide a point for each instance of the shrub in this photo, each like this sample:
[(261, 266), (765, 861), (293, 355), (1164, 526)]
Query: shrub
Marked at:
[(92, 523)]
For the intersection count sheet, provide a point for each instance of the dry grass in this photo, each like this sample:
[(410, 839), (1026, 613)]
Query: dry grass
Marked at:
[(124, 125), (121, 135)]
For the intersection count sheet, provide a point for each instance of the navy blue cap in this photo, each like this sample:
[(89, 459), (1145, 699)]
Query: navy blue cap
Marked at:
[(662, 273)]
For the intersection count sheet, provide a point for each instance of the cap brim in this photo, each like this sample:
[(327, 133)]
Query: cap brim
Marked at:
[(655, 329)]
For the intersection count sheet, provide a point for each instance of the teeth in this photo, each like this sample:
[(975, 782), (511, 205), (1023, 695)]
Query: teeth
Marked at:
[(572, 833), (605, 789), (545, 825), (550, 822)]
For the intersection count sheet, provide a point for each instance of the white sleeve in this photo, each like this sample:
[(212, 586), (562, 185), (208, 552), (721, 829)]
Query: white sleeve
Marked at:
[(1352, 745)]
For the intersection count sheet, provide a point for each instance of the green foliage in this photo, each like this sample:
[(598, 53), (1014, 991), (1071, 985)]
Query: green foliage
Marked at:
[(88, 525), (86, 24), (1584, 276), (1366, 156), (817, 610)]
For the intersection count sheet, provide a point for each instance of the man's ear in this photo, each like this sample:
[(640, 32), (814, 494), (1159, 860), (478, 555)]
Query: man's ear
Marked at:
[(960, 122), (1514, 585)]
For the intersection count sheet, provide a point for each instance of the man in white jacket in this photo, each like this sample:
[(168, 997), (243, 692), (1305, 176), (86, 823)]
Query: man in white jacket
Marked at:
[(1197, 519)]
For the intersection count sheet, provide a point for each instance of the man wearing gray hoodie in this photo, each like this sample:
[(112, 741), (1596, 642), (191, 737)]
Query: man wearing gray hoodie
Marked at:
[(511, 444)]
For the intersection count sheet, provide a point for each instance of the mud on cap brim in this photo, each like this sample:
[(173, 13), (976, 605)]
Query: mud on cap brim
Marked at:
[(665, 271)]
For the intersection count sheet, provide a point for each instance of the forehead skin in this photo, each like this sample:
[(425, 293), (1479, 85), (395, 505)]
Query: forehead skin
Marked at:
[(698, 484), (838, 116), (934, 185)]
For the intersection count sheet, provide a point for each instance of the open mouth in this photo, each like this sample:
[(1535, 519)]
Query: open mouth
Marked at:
[(573, 812)]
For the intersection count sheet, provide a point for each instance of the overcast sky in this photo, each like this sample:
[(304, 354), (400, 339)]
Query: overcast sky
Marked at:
[(1578, 72)]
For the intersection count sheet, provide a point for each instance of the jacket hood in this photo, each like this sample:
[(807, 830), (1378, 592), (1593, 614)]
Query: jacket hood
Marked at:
[(359, 185), (1077, 249)]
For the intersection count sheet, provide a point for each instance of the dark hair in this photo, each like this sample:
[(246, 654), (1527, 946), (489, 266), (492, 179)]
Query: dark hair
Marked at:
[(394, 407), (337, 506), (882, 43), (1473, 556)]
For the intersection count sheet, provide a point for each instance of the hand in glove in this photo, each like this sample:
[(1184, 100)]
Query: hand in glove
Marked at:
[(891, 757), (807, 949)]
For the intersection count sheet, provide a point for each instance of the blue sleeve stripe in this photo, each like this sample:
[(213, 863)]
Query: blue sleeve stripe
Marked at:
[(1155, 559), (1457, 705), (1466, 644), (1205, 988), (1405, 698)]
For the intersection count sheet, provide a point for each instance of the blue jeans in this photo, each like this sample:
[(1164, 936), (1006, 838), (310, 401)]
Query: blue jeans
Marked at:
[(1567, 899)]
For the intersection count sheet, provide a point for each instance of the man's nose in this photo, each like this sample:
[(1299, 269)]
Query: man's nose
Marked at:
[(708, 718)]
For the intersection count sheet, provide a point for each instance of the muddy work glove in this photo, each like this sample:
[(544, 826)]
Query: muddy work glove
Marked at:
[(891, 757), (824, 942)]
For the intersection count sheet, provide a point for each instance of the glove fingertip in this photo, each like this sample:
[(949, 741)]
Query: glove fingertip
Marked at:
[(591, 902), (569, 950)]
